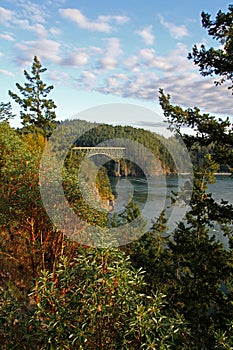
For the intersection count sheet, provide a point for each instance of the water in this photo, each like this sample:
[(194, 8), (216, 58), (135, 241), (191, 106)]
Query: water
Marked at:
[(152, 195), (222, 188)]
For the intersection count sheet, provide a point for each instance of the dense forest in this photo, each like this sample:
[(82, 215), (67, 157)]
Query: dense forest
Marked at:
[(160, 146), (156, 144), (162, 291)]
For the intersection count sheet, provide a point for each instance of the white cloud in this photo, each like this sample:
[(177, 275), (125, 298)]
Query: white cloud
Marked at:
[(108, 63), (177, 32), (88, 75), (175, 74), (107, 68), (44, 49), (84, 22), (101, 24), (112, 82), (80, 56), (96, 50), (6, 72), (148, 58), (114, 47), (110, 60), (117, 19), (60, 78), (121, 76), (121, 19), (55, 31), (27, 20), (7, 36), (30, 10), (5, 15), (88, 79), (132, 63), (38, 28), (190, 91), (76, 59), (148, 55), (180, 50), (132, 86), (146, 35)]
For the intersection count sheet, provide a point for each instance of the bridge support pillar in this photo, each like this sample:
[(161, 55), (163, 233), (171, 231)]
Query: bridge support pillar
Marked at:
[(115, 153), (117, 167)]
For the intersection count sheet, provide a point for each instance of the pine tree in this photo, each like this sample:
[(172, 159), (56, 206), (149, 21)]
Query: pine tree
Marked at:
[(6, 111), (217, 61), (194, 269), (37, 112)]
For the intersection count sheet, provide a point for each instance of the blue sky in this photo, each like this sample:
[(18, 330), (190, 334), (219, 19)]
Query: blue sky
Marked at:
[(100, 52)]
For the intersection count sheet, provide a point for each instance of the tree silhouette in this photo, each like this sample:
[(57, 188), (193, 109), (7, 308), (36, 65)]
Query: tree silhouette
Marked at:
[(37, 111)]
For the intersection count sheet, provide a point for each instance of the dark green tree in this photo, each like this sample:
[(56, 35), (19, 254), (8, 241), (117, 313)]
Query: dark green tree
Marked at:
[(37, 111), (198, 269), (210, 131), (6, 111), (192, 267), (146, 252), (217, 61)]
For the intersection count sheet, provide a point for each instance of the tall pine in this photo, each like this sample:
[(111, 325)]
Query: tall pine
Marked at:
[(37, 111)]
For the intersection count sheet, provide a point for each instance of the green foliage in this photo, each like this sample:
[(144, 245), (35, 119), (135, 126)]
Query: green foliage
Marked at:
[(85, 208), (151, 141), (101, 181), (130, 223), (37, 111), (191, 266), (210, 131), (29, 241), (103, 184), (6, 111), (85, 298), (14, 316), (193, 269), (197, 269), (146, 252), (95, 302), (225, 339), (217, 61), (130, 213)]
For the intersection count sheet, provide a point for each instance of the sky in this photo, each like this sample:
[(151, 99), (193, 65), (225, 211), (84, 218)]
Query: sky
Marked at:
[(110, 52)]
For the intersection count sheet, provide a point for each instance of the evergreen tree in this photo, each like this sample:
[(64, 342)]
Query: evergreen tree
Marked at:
[(37, 111), (192, 267), (6, 111), (217, 134), (217, 61)]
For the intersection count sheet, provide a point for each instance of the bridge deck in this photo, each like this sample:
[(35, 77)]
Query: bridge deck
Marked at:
[(99, 148), (115, 153)]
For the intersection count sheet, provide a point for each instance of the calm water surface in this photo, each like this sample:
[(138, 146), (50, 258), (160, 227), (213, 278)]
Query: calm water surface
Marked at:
[(153, 195)]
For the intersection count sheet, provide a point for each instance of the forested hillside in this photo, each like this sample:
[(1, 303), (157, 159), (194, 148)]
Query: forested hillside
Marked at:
[(99, 133), (159, 145)]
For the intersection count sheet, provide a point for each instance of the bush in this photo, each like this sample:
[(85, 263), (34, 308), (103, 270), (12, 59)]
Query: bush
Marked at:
[(96, 302)]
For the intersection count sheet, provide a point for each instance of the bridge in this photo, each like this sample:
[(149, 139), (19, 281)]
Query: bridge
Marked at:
[(112, 152), (115, 153)]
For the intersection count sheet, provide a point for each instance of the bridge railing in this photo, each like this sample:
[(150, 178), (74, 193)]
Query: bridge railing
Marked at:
[(112, 152)]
